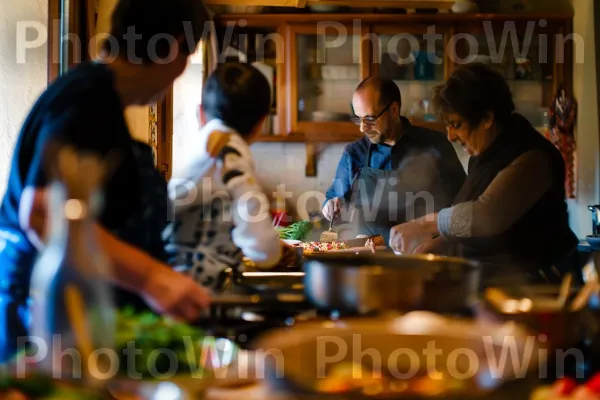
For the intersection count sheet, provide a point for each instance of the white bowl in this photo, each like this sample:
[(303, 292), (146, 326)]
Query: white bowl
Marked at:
[(291, 242)]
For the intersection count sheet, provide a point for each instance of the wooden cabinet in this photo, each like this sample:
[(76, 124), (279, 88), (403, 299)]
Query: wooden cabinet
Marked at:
[(325, 65), (322, 57), (529, 54)]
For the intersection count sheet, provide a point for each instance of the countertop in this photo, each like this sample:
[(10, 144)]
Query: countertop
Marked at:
[(584, 247)]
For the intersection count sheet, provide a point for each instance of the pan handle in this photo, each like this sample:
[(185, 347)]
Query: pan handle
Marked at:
[(240, 299)]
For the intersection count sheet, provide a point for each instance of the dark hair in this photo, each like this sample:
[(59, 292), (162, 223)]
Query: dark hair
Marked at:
[(387, 89), (472, 91), (238, 94), (158, 22)]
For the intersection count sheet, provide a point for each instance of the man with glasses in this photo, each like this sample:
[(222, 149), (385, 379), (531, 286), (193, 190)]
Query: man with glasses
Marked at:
[(396, 172)]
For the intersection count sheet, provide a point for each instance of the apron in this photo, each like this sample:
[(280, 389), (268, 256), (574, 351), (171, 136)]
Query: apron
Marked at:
[(375, 214)]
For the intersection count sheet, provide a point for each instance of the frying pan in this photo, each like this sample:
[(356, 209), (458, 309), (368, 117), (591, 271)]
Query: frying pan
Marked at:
[(366, 282)]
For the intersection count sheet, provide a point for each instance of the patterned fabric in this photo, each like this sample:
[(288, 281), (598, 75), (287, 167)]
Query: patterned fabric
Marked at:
[(199, 242), (563, 114), (456, 221), (221, 213), (153, 127)]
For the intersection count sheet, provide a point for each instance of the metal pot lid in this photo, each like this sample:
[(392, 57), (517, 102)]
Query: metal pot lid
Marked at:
[(388, 260)]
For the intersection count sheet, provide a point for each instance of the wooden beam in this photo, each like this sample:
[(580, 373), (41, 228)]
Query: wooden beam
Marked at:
[(389, 19), (437, 4), (53, 40), (264, 3), (311, 160), (412, 4)]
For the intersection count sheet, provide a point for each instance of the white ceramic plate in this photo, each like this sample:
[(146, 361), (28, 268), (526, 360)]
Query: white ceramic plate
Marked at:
[(291, 242)]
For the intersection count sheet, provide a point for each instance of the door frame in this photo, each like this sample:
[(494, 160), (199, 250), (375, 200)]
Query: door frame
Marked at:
[(82, 22)]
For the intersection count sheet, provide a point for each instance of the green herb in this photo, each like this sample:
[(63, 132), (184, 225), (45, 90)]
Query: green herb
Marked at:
[(33, 386), (296, 231), (37, 386), (149, 332)]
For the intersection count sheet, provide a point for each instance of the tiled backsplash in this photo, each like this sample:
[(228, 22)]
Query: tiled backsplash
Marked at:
[(284, 163)]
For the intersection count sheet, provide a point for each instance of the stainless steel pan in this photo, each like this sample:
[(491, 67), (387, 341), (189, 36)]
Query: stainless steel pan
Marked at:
[(363, 283)]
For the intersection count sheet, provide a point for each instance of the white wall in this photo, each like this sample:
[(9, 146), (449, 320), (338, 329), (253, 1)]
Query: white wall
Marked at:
[(588, 146), (137, 117), (187, 95), (20, 84)]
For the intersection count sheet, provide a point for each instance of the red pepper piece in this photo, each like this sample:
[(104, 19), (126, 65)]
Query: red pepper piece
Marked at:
[(594, 383), (564, 386)]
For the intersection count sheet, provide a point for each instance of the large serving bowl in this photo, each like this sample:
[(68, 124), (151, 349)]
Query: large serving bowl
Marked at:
[(416, 356)]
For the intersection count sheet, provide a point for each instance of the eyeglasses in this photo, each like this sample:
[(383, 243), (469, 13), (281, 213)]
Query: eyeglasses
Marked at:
[(369, 120)]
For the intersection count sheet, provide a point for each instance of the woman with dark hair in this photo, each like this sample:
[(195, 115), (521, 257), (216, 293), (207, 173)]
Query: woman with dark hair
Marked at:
[(511, 209)]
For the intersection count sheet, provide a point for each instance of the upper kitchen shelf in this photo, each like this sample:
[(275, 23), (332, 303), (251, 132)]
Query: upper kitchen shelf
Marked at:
[(313, 80)]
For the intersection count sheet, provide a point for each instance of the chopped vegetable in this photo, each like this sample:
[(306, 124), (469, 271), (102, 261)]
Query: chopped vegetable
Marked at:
[(594, 383), (296, 231), (148, 333), (33, 386), (42, 387), (349, 377), (310, 247), (564, 386)]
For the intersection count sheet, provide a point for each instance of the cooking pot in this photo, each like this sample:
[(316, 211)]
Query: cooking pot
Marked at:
[(365, 282)]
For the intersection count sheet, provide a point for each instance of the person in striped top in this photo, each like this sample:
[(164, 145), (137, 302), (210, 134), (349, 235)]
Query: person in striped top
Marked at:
[(221, 213)]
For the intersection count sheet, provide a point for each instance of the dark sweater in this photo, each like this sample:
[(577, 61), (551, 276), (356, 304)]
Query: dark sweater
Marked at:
[(541, 237)]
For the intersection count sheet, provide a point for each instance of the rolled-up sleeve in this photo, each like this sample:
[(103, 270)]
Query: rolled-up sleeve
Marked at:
[(510, 195)]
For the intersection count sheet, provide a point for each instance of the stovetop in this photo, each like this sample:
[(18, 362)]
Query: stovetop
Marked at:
[(244, 323)]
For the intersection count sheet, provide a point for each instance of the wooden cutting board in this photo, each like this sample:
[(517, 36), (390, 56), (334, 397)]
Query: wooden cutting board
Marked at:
[(361, 249), (355, 242)]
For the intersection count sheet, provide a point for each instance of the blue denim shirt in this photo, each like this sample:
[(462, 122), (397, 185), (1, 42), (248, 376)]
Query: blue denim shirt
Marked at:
[(353, 160), (386, 157)]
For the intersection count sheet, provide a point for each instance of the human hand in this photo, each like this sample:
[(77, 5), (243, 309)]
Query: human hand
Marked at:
[(331, 208), (407, 237), (433, 245), (375, 241), (290, 256), (174, 294)]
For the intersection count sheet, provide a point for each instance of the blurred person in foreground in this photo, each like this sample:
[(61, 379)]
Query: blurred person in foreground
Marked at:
[(221, 213), (511, 210), (84, 109)]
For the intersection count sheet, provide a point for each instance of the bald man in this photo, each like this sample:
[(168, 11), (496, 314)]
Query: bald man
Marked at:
[(396, 172)]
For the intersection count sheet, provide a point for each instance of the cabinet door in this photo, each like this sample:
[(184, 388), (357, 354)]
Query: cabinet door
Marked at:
[(521, 51), (263, 47), (327, 62), (414, 57)]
